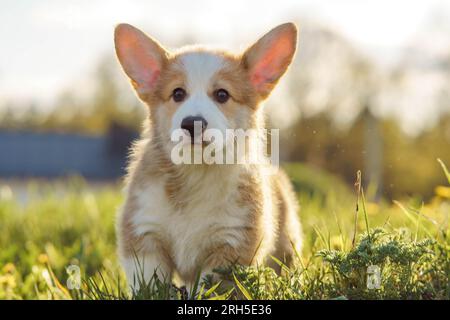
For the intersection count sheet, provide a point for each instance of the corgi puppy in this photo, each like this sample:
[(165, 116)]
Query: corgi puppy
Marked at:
[(186, 219)]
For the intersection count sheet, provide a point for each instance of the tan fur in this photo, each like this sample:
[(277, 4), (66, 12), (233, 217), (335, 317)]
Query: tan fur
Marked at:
[(187, 218)]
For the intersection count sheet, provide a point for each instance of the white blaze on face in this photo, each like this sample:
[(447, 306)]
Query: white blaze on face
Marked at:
[(200, 69)]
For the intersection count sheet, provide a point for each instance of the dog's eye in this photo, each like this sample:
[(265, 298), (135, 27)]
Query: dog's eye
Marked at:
[(221, 95), (178, 94)]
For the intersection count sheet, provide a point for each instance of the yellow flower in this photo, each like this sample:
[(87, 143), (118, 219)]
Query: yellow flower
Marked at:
[(43, 258), (9, 268), (443, 192), (8, 281)]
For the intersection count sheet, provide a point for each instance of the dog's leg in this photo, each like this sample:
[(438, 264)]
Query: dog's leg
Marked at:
[(221, 256), (141, 268), (192, 292), (289, 242)]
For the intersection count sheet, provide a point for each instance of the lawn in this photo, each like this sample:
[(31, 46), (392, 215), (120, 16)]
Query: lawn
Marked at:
[(67, 225)]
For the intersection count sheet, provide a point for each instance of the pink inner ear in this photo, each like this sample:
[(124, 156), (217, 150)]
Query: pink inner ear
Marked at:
[(150, 74), (154, 77), (272, 63), (143, 65), (138, 59)]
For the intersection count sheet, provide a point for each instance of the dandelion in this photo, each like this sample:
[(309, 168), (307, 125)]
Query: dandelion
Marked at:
[(8, 281), (9, 268), (43, 258)]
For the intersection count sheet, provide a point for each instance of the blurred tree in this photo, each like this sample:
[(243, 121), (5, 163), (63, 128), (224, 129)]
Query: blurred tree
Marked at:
[(408, 165)]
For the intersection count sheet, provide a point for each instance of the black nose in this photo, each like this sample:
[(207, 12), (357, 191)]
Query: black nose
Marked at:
[(189, 123)]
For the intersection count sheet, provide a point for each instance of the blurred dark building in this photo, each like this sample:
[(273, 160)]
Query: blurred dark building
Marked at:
[(30, 154)]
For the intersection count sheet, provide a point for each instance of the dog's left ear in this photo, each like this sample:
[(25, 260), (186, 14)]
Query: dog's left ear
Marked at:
[(141, 57), (268, 59)]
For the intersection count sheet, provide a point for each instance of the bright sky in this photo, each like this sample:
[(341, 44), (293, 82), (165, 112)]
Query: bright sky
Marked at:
[(46, 45)]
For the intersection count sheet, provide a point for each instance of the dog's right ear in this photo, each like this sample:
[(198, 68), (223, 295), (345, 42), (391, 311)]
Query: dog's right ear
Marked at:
[(268, 59), (142, 58)]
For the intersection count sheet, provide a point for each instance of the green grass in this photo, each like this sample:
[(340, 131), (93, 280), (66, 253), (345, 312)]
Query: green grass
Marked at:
[(67, 223)]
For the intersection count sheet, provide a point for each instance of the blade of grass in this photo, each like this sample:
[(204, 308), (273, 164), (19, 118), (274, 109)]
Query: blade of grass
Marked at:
[(358, 192), (366, 218), (212, 289), (444, 167), (281, 264), (321, 236), (244, 291), (411, 217), (224, 296)]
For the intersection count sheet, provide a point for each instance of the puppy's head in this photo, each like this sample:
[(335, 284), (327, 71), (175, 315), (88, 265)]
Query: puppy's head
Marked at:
[(196, 88)]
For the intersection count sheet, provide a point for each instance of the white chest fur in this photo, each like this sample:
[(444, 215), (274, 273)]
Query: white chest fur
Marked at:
[(210, 216)]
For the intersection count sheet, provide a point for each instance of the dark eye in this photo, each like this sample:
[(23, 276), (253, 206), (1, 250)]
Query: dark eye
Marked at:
[(221, 95), (178, 94)]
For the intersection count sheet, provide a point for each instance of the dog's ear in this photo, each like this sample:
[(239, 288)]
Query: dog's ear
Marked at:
[(142, 58), (268, 59)]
